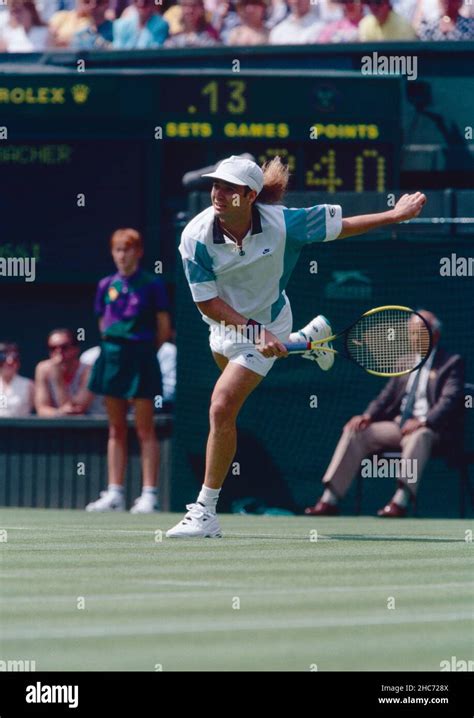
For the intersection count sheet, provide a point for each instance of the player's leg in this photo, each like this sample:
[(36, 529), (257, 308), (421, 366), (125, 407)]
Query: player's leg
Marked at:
[(353, 446), (235, 384), (113, 499), (233, 387), (149, 452), (243, 372), (220, 360)]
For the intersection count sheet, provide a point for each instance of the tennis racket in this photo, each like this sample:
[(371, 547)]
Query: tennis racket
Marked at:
[(385, 341)]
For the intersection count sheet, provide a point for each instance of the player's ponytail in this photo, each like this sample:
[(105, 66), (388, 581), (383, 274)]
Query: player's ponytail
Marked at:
[(275, 181)]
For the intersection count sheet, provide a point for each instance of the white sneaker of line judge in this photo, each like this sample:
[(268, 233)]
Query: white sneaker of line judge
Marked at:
[(145, 504), (317, 328), (108, 501), (199, 522)]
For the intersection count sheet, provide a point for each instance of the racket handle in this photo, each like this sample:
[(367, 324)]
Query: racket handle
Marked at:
[(294, 347)]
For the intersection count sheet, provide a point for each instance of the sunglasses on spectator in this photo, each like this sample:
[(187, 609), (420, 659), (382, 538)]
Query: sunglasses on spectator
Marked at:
[(9, 357), (60, 347)]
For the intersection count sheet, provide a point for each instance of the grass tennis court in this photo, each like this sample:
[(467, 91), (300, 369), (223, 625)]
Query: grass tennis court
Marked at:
[(173, 603)]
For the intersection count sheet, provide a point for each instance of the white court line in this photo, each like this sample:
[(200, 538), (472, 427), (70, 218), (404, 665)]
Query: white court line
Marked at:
[(67, 529), (99, 529), (216, 625), (246, 535), (224, 590)]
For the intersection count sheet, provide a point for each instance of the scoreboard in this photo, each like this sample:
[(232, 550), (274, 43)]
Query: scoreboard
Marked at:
[(336, 132), (85, 152)]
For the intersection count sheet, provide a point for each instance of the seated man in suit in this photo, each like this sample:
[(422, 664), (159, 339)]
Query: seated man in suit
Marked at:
[(412, 414)]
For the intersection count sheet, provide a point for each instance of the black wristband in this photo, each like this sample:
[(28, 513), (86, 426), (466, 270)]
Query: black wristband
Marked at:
[(254, 330)]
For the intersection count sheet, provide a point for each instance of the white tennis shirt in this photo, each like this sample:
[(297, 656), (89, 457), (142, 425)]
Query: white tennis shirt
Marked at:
[(253, 282)]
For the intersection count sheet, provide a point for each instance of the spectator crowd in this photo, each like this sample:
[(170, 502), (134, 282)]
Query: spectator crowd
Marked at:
[(60, 386), (39, 25)]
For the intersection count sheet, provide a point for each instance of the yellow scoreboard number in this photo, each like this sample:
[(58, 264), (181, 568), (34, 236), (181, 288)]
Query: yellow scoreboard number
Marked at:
[(346, 153), (356, 165), (226, 96)]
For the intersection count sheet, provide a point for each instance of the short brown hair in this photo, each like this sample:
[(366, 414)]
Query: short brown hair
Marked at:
[(131, 236)]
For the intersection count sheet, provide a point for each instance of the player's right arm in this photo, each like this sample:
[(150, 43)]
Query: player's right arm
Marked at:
[(219, 311)]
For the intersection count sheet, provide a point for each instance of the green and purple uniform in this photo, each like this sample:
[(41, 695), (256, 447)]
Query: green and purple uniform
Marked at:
[(127, 366)]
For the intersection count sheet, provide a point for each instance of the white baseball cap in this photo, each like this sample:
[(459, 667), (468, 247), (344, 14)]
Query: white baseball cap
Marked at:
[(240, 171)]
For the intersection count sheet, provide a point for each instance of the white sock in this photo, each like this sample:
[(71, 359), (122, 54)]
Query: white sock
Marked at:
[(401, 498), (297, 337), (329, 498), (149, 490), (115, 489), (208, 497)]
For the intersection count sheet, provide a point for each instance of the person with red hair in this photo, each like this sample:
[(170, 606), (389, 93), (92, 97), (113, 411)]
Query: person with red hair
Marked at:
[(132, 308)]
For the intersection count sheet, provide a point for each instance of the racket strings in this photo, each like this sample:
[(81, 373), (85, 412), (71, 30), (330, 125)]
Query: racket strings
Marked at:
[(389, 341)]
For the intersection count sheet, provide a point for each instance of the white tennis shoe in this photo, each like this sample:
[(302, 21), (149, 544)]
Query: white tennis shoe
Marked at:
[(145, 504), (108, 501), (199, 522), (317, 328)]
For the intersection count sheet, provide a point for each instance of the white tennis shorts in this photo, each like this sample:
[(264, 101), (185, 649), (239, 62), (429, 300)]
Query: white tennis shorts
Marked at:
[(238, 349)]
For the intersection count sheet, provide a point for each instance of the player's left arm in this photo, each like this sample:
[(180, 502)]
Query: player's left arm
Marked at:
[(408, 207)]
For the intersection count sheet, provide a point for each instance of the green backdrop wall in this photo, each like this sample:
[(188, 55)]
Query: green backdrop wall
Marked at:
[(284, 444)]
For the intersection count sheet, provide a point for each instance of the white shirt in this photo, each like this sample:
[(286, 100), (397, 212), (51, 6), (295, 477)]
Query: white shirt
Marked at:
[(253, 281), (90, 356), (4, 16), (18, 40), (16, 398), (296, 30), (329, 12)]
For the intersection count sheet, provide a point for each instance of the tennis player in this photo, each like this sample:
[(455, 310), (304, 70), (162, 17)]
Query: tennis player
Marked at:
[(132, 308), (238, 256)]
